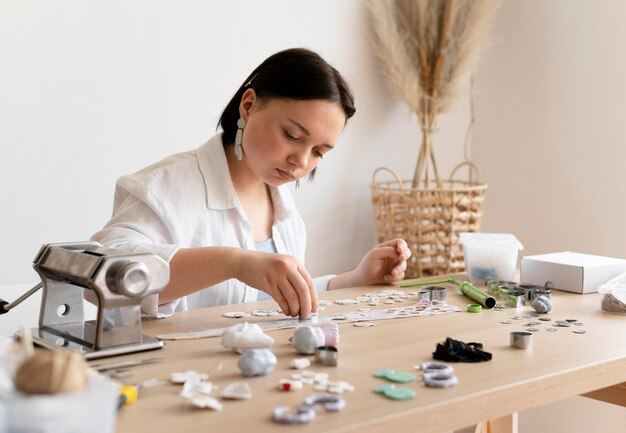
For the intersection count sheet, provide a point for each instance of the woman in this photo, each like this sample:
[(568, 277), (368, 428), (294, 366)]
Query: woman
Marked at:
[(222, 216)]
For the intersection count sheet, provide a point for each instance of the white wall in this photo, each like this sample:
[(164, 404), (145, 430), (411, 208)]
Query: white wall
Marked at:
[(552, 126), (94, 90), (550, 139)]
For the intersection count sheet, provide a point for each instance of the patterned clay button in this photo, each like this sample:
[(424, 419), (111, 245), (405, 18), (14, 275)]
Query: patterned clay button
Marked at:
[(264, 313), (364, 324), (346, 301), (579, 331), (289, 385), (236, 314)]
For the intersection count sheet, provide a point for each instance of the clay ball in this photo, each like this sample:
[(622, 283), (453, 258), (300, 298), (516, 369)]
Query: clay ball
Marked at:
[(257, 362), (52, 372), (306, 338), (542, 304), (246, 336)]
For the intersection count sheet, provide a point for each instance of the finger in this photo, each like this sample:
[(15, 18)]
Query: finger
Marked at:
[(291, 296), (304, 296), (400, 267), (392, 242), (406, 255), (390, 278), (311, 287), (403, 249), (277, 295), (387, 252), (398, 244)]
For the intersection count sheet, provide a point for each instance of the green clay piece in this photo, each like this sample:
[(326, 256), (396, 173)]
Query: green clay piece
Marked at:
[(382, 374), (381, 389), (399, 393), (400, 377)]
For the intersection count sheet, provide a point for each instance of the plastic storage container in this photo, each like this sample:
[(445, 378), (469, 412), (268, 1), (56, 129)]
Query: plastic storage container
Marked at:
[(614, 294), (490, 256)]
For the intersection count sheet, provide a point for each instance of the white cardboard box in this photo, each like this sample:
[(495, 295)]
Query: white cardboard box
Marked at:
[(572, 272)]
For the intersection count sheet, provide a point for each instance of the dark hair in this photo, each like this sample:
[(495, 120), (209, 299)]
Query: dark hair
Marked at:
[(295, 73)]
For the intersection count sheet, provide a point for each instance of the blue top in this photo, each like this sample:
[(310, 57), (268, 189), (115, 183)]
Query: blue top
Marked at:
[(266, 246)]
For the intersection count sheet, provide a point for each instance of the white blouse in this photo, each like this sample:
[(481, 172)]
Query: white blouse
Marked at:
[(188, 200)]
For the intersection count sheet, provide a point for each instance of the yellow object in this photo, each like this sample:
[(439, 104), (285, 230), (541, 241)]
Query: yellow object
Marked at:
[(129, 394)]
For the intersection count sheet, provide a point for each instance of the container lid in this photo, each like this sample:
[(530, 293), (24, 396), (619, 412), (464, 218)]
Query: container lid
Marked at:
[(616, 285), (490, 238)]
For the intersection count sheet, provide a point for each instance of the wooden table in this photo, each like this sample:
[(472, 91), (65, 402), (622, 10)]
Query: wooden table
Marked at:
[(561, 364)]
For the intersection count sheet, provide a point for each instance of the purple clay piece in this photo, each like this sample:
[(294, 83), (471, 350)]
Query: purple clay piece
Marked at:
[(331, 332)]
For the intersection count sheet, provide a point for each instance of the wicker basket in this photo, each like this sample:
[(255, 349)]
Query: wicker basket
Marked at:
[(429, 219)]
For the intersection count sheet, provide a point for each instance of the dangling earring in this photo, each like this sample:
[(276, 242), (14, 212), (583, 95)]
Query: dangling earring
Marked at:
[(241, 123)]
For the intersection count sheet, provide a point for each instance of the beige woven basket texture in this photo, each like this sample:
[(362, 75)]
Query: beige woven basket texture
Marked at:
[(429, 219)]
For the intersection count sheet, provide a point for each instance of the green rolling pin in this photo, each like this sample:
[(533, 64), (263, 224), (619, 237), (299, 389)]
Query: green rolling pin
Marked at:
[(465, 287)]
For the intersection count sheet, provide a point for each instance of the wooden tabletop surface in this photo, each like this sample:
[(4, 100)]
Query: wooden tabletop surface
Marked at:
[(560, 365)]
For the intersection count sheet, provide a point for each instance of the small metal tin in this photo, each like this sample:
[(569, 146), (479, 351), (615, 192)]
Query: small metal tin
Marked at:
[(541, 292), (496, 285), (521, 340), (532, 291), (514, 298), (437, 293), (423, 295), (327, 355)]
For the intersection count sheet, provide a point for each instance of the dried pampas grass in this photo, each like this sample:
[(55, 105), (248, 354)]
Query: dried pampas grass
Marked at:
[(428, 48)]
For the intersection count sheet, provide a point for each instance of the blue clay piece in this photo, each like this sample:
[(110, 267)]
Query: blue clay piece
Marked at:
[(482, 274), (257, 362)]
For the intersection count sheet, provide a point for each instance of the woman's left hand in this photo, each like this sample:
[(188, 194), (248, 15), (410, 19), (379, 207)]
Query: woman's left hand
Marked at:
[(385, 263)]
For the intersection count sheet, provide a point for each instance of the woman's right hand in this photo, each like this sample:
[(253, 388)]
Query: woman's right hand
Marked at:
[(283, 278)]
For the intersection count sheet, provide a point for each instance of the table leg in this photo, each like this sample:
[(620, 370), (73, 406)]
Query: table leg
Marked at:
[(505, 424)]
